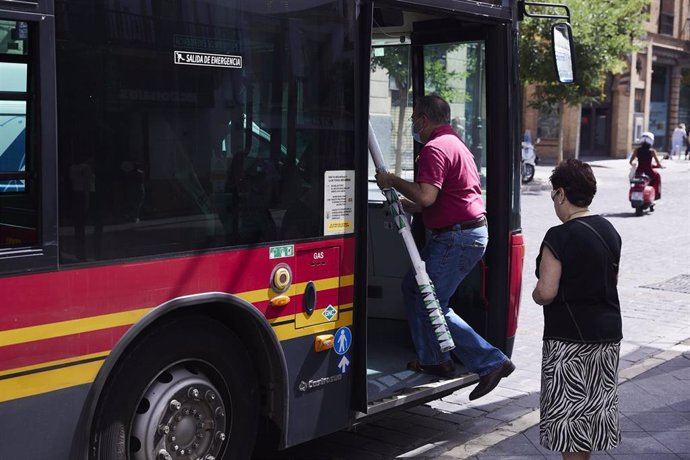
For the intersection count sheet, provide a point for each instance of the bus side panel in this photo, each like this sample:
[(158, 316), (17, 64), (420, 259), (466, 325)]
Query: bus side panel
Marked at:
[(58, 328), (320, 390), (41, 427)]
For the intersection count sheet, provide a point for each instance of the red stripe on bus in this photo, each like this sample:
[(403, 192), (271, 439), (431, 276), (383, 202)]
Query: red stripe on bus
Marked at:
[(59, 348), (45, 298), (517, 256)]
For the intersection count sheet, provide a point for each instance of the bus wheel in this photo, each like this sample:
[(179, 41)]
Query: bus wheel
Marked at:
[(188, 390)]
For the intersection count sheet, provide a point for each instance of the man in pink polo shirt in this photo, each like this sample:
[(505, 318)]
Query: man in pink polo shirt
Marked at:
[(447, 192)]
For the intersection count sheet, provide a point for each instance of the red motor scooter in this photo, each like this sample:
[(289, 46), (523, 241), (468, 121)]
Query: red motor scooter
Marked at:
[(641, 194)]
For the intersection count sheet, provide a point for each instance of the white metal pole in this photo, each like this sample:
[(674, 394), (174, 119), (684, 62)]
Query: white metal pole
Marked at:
[(426, 287)]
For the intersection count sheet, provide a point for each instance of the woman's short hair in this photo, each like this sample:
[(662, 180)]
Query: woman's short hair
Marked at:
[(576, 179), (435, 108)]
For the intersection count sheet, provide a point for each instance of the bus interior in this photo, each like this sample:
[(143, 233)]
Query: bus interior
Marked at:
[(454, 69)]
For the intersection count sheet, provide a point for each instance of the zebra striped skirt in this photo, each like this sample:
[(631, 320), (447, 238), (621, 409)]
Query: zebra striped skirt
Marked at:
[(579, 397)]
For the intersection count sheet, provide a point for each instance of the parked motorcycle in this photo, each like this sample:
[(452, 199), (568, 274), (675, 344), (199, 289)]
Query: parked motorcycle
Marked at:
[(529, 160)]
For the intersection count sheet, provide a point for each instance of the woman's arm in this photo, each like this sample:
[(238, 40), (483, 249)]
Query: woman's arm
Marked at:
[(633, 156), (658, 163), (549, 278)]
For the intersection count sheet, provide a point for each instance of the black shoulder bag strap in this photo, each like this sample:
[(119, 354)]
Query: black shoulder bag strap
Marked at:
[(613, 264), (603, 241)]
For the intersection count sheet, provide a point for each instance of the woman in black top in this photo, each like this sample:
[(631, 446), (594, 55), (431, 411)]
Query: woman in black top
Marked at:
[(577, 271)]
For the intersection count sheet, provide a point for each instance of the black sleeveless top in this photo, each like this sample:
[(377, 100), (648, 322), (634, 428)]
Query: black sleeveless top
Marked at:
[(644, 158), (586, 308)]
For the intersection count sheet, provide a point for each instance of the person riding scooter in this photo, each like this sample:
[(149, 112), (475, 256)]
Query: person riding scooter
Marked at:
[(644, 155)]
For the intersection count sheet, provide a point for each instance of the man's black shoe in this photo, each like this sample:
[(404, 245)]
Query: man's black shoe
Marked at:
[(489, 381), (444, 370)]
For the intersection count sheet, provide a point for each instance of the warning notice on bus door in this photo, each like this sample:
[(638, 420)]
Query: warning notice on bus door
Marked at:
[(207, 59), (339, 202)]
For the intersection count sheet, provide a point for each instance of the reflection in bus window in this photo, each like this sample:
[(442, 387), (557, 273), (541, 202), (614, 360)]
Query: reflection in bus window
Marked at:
[(455, 71), (18, 193), (227, 155), (12, 143), (462, 66), (12, 111)]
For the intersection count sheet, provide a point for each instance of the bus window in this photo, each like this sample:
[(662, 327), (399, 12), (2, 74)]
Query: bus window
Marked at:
[(454, 71), (162, 154), (461, 65), (18, 202)]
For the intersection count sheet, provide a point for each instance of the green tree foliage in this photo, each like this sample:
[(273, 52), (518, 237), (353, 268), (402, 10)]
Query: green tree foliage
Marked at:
[(604, 33)]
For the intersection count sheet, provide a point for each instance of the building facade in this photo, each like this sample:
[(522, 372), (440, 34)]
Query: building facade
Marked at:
[(653, 94)]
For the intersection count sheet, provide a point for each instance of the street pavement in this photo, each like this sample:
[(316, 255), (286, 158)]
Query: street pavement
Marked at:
[(654, 373)]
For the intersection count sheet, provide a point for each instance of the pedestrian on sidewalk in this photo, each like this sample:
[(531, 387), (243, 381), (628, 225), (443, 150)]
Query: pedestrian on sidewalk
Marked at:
[(447, 192), (577, 271), (679, 134)]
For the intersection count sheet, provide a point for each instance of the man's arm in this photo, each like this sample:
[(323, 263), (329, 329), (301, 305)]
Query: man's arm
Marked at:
[(421, 193)]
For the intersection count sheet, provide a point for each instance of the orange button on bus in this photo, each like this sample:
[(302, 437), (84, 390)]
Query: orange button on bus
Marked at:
[(280, 301), (323, 342)]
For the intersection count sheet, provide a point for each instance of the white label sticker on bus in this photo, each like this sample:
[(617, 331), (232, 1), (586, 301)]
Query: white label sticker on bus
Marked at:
[(207, 59), (339, 202), (279, 252)]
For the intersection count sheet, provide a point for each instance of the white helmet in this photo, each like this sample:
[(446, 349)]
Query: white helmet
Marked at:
[(647, 138)]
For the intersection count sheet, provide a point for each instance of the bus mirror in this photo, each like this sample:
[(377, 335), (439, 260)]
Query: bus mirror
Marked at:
[(562, 42)]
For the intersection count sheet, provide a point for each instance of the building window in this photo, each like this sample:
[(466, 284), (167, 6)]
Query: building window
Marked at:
[(666, 17), (639, 100), (549, 121)]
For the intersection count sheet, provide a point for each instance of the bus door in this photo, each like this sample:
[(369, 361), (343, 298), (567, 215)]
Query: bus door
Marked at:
[(416, 53)]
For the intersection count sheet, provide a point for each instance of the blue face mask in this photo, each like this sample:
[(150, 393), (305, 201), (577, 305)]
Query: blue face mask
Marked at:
[(415, 135)]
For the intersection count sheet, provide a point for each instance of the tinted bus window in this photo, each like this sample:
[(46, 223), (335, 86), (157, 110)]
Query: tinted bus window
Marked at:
[(18, 194), (13, 95), (181, 127)]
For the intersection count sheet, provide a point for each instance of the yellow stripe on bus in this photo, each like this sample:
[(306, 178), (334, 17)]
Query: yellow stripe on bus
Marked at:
[(287, 331), (50, 380), (261, 295), (127, 318), (61, 362), (43, 379), (74, 326)]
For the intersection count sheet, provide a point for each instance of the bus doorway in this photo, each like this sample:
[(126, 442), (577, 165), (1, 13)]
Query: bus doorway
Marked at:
[(415, 53)]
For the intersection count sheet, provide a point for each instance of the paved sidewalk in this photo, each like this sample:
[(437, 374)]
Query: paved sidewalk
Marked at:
[(655, 417)]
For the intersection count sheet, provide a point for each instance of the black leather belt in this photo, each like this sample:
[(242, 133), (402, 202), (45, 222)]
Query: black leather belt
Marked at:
[(468, 224)]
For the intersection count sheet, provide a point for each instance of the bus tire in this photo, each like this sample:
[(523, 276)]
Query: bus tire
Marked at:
[(187, 388)]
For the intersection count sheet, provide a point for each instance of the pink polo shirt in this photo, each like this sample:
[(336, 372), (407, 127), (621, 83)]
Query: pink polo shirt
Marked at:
[(446, 163)]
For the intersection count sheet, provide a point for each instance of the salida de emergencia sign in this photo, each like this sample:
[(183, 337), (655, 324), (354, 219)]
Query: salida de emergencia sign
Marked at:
[(207, 59)]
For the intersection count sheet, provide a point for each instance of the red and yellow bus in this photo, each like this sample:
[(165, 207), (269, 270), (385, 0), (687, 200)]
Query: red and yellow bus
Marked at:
[(193, 255)]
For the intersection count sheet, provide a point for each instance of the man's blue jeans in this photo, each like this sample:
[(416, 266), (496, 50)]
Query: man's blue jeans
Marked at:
[(449, 257)]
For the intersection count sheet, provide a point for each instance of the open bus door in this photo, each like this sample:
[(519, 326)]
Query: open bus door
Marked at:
[(413, 53)]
